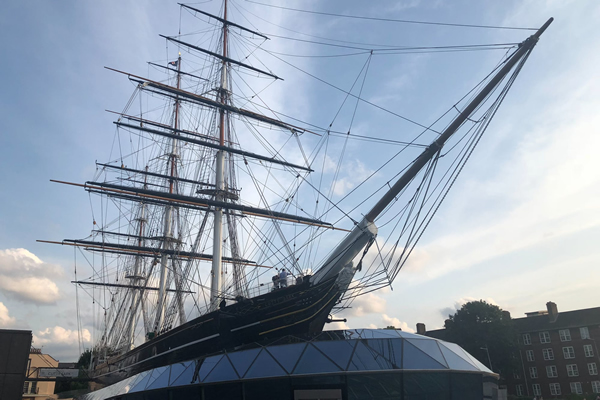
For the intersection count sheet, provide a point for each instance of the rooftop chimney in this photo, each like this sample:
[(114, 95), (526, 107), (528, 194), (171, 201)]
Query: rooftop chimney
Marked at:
[(506, 315), (552, 311), (421, 328)]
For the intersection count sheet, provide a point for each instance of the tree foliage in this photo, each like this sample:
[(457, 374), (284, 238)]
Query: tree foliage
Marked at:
[(478, 326)]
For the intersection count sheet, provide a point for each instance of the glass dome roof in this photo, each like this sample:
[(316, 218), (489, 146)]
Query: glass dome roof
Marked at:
[(345, 351)]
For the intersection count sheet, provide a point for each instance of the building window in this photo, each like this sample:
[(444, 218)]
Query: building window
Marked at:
[(576, 387), (544, 337), (587, 349), (551, 371), (533, 372), (516, 375), (520, 391), (526, 338), (565, 335), (530, 356), (554, 389), (548, 354), (30, 388), (592, 368), (596, 386), (584, 332), (568, 352), (537, 389), (572, 370)]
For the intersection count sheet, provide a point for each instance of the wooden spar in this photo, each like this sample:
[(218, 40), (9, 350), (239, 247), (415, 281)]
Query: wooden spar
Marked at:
[(135, 192), (220, 57), (430, 151), (179, 72), (149, 253), (206, 101), (158, 124), (126, 286), (224, 21), (148, 173), (221, 147)]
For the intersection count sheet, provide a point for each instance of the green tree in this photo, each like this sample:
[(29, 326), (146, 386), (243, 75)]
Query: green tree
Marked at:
[(83, 363), (479, 328)]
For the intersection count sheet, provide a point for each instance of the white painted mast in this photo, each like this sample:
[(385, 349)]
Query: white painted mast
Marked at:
[(168, 220), (217, 270)]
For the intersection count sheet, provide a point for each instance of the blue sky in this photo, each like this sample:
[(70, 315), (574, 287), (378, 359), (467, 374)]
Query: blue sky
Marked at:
[(520, 228)]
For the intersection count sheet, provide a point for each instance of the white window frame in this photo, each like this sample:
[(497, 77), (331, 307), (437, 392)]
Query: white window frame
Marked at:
[(576, 387), (596, 386), (572, 370), (551, 371), (529, 354), (555, 389), (593, 368), (565, 335), (537, 389), (568, 352), (526, 338), (545, 337), (520, 391), (588, 350), (548, 354), (584, 332), (533, 372)]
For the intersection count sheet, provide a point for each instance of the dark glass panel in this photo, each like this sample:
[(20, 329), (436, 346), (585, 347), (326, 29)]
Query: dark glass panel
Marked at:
[(429, 347), (208, 364), (264, 366), (227, 391), (427, 386), (274, 389), (466, 386), (161, 382), (241, 360), (287, 355), (365, 359), (223, 371), (416, 359), (177, 370), (384, 347), (375, 387), (185, 393), (456, 361), (141, 384), (313, 361), (186, 377), (338, 351)]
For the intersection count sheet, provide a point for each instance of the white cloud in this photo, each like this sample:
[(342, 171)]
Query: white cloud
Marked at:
[(27, 278), (396, 323), (369, 303), (58, 335), (356, 172), (6, 320)]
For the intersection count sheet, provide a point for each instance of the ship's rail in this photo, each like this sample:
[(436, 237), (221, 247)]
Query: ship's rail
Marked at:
[(268, 287)]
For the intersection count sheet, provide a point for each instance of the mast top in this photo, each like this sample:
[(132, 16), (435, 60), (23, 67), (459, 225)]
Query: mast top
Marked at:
[(224, 21)]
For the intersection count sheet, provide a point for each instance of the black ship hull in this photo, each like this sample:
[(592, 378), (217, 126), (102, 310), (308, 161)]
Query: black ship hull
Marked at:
[(297, 309)]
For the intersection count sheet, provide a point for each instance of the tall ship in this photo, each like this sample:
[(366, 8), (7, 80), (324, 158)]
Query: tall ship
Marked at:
[(218, 219)]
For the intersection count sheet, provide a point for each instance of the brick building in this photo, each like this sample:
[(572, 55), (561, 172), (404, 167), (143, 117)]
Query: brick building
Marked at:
[(558, 353), (33, 389)]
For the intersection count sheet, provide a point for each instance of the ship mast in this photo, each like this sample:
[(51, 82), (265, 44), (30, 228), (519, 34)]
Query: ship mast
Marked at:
[(168, 218), (216, 271)]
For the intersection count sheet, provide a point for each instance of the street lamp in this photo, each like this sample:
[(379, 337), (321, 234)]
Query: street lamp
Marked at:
[(488, 354)]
